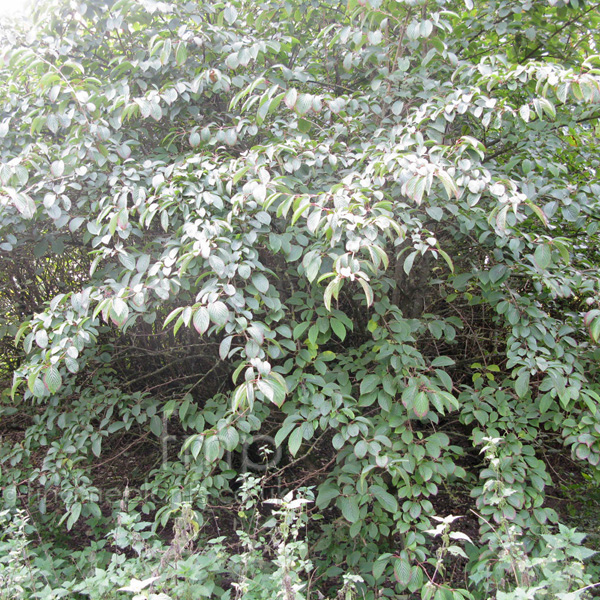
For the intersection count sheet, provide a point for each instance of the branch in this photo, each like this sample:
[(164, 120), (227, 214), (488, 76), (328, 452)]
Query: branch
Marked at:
[(557, 31)]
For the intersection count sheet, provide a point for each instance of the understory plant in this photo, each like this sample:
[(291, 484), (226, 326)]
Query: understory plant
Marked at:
[(340, 245)]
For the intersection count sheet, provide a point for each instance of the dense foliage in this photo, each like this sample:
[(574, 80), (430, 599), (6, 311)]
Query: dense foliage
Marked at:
[(349, 247)]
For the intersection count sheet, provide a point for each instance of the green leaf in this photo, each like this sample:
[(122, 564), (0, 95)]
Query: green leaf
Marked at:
[(201, 320), (421, 405), (172, 315), (156, 425), (230, 438), (408, 396), (360, 449), (380, 565), (402, 571), (409, 260), (295, 441), (57, 168), (338, 328), (225, 346), (291, 97), (303, 104), (181, 53), (543, 256), (368, 291), (261, 283), (442, 361), (41, 338), (369, 383), (218, 312), (74, 513), (349, 507), (23, 203), (331, 291), (97, 446), (522, 384), (327, 492), (212, 448), (194, 139), (385, 498), (52, 379), (497, 272), (435, 212), (230, 14), (284, 431)]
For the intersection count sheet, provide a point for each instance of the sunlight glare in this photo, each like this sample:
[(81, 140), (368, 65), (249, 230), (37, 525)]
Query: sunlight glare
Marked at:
[(12, 7)]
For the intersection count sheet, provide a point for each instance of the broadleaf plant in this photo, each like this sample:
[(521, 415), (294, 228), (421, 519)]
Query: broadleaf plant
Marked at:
[(350, 245)]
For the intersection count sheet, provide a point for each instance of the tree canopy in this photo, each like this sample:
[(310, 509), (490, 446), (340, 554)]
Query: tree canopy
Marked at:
[(366, 231)]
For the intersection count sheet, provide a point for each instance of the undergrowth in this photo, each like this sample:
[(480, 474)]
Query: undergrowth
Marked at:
[(270, 558)]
